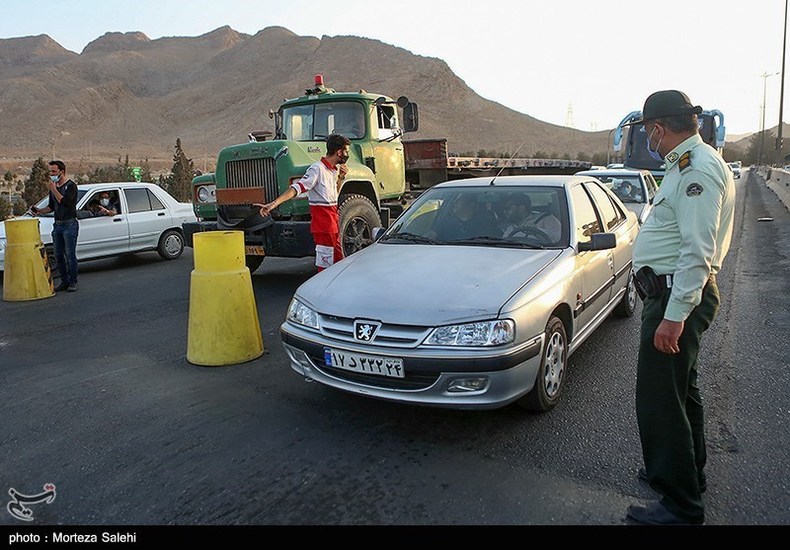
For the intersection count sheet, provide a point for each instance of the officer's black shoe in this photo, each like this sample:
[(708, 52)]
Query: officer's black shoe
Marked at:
[(654, 513), (72, 287), (61, 287), (643, 477)]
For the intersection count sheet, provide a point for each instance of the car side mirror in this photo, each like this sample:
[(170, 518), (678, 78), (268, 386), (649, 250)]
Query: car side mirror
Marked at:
[(599, 241), (378, 232)]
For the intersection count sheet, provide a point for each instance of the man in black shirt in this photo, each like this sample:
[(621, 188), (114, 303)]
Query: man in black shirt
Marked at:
[(63, 202)]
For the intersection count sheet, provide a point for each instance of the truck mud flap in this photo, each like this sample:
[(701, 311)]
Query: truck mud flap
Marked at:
[(253, 222)]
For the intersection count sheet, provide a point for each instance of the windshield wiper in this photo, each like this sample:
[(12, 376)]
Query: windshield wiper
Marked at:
[(408, 237), (496, 241)]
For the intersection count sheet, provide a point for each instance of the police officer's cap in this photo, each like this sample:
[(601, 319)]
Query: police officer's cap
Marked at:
[(666, 103)]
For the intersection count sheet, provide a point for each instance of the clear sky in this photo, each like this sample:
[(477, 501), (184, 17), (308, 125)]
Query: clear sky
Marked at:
[(580, 63)]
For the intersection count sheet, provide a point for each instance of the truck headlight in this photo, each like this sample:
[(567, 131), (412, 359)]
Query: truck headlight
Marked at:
[(302, 315), (207, 193), (484, 333)]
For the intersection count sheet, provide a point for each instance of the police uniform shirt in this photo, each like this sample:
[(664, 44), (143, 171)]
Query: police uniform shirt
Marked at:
[(689, 230)]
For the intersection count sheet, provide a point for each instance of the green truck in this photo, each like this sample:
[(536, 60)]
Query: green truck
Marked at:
[(384, 172)]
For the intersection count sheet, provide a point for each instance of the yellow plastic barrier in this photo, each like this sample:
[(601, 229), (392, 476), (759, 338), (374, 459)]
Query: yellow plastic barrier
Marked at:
[(27, 275), (223, 318)]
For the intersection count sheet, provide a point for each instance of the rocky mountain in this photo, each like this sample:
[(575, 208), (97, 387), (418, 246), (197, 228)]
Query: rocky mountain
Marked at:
[(126, 94)]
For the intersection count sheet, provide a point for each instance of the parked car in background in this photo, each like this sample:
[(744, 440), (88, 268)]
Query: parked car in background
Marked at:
[(736, 169), (146, 218), (496, 303), (636, 188)]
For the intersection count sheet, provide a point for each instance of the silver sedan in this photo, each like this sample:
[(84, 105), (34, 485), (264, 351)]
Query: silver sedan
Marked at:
[(474, 298)]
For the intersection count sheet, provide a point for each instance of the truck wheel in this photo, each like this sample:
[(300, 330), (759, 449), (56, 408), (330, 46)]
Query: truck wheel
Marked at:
[(358, 216), (253, 262)]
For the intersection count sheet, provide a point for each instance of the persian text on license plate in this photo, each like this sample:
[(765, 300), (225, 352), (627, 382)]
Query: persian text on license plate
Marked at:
[(368, 364)]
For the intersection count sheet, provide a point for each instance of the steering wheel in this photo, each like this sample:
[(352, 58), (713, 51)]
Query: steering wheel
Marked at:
[(528, 231)]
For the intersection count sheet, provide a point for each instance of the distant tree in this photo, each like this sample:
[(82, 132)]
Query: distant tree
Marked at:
[(37, 185), (566, 156), (9, 177), (180, 184), (599, 159), (110, 174), (19, 208), (582, 156), (541, 155), (6, 210)]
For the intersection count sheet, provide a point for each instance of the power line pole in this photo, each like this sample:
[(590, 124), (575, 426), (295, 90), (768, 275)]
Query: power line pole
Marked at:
[(765, 76), (782, 94)]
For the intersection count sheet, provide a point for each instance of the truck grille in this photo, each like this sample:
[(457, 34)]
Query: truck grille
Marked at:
[(253, 173)]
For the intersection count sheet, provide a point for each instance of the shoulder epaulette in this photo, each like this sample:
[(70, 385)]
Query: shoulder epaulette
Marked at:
[(684, 161)]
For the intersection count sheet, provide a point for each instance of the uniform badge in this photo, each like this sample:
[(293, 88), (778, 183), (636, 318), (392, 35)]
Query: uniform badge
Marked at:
[(672, 157), (693, 190), (685, 161)]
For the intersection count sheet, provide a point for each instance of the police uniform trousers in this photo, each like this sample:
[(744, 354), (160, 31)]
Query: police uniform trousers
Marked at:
[(669, 406)]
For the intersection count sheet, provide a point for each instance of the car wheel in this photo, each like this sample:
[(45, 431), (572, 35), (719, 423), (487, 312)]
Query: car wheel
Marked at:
[(358, 216), (253, 262), (553, 364), (171, 244), (627, 304)]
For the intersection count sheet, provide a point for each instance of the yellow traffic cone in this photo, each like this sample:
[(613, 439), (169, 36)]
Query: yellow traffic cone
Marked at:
[(223, 318), (27, 275)]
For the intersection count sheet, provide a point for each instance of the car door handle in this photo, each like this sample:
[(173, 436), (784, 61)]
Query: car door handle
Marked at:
[(161, 214), (117, 219)]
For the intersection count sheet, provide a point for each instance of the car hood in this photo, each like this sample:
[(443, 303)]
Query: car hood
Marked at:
[(423, 285)]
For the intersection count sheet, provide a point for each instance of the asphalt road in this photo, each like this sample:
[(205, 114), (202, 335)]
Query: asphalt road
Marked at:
[(97, 397)]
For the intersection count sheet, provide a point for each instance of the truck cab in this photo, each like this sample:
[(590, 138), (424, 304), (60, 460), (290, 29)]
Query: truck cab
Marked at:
[(635, 156), (261, 169)]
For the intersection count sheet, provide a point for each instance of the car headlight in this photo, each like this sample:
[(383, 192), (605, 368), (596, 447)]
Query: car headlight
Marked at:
[(485, 333), (302, 315)]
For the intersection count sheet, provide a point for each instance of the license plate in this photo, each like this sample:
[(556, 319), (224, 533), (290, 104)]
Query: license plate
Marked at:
[(368, 364), (254, 250)]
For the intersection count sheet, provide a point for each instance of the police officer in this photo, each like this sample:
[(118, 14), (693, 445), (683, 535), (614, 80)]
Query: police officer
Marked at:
[(677, 254)]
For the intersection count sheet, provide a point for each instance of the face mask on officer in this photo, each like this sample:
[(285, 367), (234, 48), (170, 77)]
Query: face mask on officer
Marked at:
[(654, 154), (105, 202)]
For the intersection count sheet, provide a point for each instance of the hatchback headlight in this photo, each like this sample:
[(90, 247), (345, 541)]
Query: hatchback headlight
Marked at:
[(485, 333), (302, 315)]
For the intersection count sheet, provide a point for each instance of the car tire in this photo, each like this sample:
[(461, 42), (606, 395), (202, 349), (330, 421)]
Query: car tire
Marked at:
[(357, 218), (553, 366), (253, 262), (627, 304), (171, 244)]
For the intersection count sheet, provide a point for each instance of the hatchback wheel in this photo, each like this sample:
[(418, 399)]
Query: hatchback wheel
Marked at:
[(553, 364)]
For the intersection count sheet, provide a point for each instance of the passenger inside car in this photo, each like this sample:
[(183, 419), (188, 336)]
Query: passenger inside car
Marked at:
[(104, 204), (521, 220), (465, 219)]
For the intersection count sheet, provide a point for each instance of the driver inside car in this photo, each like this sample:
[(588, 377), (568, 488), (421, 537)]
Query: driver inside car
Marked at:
[(521, 221)]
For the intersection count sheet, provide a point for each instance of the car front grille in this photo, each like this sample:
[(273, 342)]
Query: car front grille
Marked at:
[(391, 335), (253, 173)]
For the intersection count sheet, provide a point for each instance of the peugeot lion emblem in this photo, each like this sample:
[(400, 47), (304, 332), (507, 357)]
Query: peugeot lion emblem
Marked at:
[(365, 330)]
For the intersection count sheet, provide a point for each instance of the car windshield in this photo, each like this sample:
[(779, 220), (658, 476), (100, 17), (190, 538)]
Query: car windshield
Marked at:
[(43, 203), (503, 216)]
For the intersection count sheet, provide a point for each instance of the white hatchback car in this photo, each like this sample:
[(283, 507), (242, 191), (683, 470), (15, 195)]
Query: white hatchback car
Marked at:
[(147, 218)]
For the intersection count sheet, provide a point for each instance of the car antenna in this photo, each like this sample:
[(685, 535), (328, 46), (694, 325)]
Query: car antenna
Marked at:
[(505, 165)]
